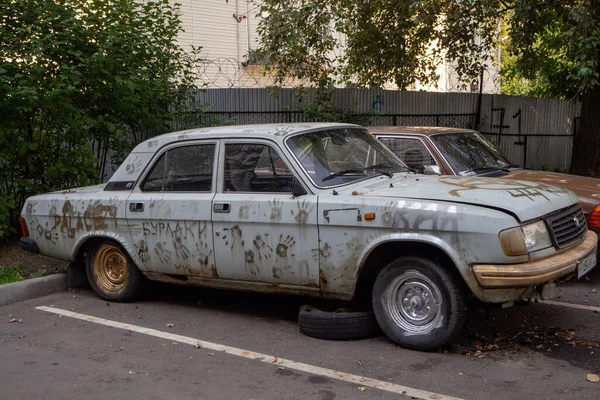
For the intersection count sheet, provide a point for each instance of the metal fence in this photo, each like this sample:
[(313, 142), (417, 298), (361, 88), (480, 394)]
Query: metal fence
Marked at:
[(217, 118), (530, 131)]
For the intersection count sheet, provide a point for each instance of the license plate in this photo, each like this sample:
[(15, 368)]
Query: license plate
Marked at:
[(586, 265)]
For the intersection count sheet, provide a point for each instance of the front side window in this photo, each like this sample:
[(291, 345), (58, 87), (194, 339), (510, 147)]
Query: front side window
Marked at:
[(182, 169), (339, 156), (470, 153), (412, 151), (254, 167)]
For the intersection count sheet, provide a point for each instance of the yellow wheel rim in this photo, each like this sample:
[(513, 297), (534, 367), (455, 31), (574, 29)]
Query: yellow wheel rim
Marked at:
[(110, 267)]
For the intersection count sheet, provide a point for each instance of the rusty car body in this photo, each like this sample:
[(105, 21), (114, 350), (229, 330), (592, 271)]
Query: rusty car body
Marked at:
[(440, 148), (315, 209)]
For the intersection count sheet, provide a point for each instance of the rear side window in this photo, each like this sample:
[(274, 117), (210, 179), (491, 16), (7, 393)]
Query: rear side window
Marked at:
[(182, 169)]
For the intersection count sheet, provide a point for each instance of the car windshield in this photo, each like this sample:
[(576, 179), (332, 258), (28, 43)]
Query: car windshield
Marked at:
[(470, 153), (339, 156)]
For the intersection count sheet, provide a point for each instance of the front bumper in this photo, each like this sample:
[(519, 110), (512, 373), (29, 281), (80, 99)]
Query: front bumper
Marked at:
[(534, 273)]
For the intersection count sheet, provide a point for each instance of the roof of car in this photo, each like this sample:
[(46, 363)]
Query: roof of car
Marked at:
[(421, 130), (261, 131)]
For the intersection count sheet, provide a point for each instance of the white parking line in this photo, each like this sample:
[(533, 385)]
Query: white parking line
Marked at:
[(569, 305), (281, 362)]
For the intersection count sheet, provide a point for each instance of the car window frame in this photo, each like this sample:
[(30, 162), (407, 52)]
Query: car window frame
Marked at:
[(257, 141), (173, 145), (420, 139)]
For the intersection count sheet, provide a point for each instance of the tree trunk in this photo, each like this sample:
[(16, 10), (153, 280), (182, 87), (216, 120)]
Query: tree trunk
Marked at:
[(585, 159)]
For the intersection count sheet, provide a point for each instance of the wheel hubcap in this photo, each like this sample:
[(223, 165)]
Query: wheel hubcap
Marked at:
[(110, 267), (414, 302)]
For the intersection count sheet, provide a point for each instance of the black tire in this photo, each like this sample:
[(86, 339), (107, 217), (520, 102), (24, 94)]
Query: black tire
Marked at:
[(112, 274), (433, 306), (337, 325)]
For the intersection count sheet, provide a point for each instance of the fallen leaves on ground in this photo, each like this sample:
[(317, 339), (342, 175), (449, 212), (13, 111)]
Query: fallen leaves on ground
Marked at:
[(361, 388), (593, 378), (170, 325)]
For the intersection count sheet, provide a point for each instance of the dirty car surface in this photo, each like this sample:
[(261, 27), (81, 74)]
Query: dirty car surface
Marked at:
[(315, 209)]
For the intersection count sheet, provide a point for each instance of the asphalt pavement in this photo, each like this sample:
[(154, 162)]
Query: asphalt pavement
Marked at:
[(182, 343)]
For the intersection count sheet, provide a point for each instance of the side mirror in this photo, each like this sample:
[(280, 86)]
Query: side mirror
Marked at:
[(432, 170), (298, 190)]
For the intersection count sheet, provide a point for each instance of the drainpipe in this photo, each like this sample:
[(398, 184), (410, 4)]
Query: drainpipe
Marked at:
[(248, 26)]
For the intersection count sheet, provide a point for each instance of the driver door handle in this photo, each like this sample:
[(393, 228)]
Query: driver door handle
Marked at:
[(221, 207)]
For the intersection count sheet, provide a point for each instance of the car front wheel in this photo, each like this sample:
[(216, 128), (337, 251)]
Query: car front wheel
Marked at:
[(418, 303)]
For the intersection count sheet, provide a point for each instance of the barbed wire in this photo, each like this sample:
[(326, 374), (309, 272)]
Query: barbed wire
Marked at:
[(229, 72)]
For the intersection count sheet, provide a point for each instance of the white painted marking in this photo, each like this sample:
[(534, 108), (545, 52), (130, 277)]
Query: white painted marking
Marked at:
[(298, 366), (569, 305)]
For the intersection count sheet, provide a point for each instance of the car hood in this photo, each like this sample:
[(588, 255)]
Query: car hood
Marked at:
[(587, 189), (525, 200)]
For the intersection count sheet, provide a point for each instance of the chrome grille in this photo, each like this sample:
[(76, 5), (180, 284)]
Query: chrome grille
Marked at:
[(567, 226)]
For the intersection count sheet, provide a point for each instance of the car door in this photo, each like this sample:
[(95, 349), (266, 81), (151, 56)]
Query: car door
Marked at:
[(263, 233), (169, 211)]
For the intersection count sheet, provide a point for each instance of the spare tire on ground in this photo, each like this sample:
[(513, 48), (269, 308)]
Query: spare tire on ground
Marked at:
[(337, 325)]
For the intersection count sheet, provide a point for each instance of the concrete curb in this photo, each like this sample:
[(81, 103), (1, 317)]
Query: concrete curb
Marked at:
[(32, 288)]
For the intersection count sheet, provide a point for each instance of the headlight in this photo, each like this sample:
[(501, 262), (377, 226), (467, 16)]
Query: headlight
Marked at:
[(536, 236), (521, 240)]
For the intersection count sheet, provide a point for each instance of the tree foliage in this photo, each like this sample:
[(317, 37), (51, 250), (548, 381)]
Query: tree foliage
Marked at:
[(79, 79), (551, 45), (372, 43)]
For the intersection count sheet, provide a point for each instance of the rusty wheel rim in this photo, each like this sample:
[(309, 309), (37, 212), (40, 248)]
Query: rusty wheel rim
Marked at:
[(110, 267)]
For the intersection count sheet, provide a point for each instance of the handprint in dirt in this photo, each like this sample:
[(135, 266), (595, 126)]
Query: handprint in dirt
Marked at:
[(304, 209), (284, 245)]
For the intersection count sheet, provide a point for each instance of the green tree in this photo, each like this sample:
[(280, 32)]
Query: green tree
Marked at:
[(401, 41), (80, 80)]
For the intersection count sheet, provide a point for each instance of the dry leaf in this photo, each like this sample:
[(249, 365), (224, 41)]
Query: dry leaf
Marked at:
[(163, 345), (170, 325), (198, 346), (593, 290), (131, 372), (361, 388), (593, 378), (280, 368), (174, 344), (10, 321), (274, 360), (211, 354)]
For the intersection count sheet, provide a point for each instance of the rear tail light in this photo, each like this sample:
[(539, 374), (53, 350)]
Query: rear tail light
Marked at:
[(24, 229), (595, 217)]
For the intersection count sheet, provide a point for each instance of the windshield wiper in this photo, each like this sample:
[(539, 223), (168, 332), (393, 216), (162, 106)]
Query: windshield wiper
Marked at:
[(377, 167), (492, 167)]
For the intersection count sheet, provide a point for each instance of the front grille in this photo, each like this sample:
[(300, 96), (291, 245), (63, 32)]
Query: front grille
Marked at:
[(567, 226)]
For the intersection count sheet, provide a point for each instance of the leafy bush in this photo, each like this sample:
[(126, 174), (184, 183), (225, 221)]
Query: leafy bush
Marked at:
[(79, 81)]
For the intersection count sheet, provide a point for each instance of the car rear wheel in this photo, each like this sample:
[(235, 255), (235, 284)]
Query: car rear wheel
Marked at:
[(112, 274), (418, 303)]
